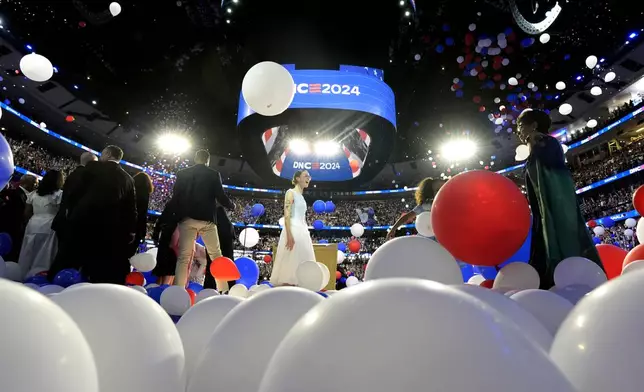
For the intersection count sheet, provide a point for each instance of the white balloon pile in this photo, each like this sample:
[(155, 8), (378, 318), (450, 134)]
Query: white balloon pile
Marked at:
[(268, 88), (36, 67)]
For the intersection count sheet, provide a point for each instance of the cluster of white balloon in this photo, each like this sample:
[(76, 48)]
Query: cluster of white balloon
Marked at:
[(591, 62)]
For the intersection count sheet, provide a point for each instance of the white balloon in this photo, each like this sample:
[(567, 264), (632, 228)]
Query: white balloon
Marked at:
[(341, 256), (560, 86), (633, 266), (144, 262), (417, 57), (565, 148), (578, 270), (525, 321), (476, 280), (530, 85), (547, 307), (413, 257), (459, 60), (153, 252), (596, 346), (260, 323), (628, 233), (424, 224), (352, 281), (175, 300), (488, 339), (599, 231), (357, 230), (639, 230), (522, 152), (257, 288), (326, 273), (198, 324), (281, 222), (591, 62), (135, 344), (513, 81), (592, 123), (13, 272), (472, 27), (249, 237), (206, 293), (496, 100), (268, 88), (50, 289), (630, 223), (596, 91), (115, 8), (310, 276), (36, 67), (505, 61), (42, 347), (238, 290), (565, 109), (573, 293), (610, 77), (544, 38), (517, 276)]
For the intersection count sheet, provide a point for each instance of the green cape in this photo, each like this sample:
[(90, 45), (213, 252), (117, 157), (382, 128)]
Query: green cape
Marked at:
[(559, 230)]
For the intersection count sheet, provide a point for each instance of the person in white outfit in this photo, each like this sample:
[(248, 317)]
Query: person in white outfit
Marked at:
[(40, 244), (295, 245)]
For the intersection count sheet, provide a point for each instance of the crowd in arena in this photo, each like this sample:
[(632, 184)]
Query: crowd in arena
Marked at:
[(614, 115), (382, 212)]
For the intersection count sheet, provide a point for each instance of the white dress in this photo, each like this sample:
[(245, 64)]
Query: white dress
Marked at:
[(40, 244), (287, 261)]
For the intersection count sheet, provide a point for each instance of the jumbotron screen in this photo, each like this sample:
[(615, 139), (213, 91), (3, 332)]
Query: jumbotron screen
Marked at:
[(339, 160)]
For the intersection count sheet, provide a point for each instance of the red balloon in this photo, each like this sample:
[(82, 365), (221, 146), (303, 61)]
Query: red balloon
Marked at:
[(224, 268), (482, 109), (497, 77), (193, 296), (481, 217), (637, 253), (592, 224), (82, 24), (638, 200), (135, 279), (338, 275), (476, 99), (482, 76), (612, 259), (487, 283), (268, 259), (70, 118), (354, 246)]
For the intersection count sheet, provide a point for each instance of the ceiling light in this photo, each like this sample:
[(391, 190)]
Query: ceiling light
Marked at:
[(299, 147), (173, 143), (458, 150), (327, 148)]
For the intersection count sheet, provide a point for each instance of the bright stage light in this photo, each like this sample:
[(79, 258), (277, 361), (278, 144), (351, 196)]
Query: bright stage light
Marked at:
[(173, 144), (458, 150), (327, 148), (299, 147)]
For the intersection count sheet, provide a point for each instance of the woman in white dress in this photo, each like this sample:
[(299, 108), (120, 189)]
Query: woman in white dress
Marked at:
[(40, 245), (295, 245)]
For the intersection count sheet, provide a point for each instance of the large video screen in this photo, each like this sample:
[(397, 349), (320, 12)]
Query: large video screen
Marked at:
[(336, 160)]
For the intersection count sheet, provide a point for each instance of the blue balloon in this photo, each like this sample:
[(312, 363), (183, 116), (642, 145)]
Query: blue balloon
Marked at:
[(155, 292), (175, 319), (343, 280), (200, 241), (257, 210), (67, 277), (487, 272), (267, 283), (607, 222), (323, 242), (196, 287), (149, 277), (342, 247), (527, 42), (446, 27), (6, 243), (319, 206), (597, 240), (325, 295), (6, 162), (329, 207), (318, 225), (508, 31), (40, 280), (440, 48), (449, 41), (248, 270), (484, 51), (467, 270), (459, 93)]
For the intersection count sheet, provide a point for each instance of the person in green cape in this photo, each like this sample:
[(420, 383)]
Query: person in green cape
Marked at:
[(558, 228)]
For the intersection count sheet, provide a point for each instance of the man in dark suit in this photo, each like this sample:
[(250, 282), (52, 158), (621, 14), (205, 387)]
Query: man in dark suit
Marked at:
[(73, 190), (103, 222), (226, 234), (12, 213), (197, 190)]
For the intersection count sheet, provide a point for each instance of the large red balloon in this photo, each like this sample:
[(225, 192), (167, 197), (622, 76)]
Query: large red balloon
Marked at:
[(481, 217), (638, 200), (636, 254), (612, 258), (354, 246), (224, 268)]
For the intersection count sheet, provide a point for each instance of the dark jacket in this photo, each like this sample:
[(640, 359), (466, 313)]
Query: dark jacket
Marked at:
[(72, 192), (197, 191)]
